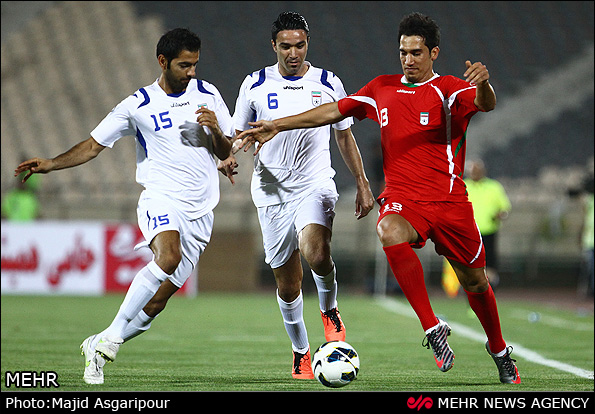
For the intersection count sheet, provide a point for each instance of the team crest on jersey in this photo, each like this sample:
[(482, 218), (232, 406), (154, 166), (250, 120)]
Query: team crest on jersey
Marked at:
[(424, 118), (316, 98)]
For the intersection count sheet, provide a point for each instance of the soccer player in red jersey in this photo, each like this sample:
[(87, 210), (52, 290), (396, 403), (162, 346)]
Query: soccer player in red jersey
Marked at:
[(423, 119)]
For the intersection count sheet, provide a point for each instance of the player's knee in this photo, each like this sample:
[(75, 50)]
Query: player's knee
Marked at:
[(387, 234), (393, 229), (320, 260), (169, 261), (476, 286), (475, 282), (315, 247), (289, 293), (289, 288)]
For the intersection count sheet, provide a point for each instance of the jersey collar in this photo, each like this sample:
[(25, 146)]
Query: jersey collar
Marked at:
[(173, 95), (413, 85), (294, 78)]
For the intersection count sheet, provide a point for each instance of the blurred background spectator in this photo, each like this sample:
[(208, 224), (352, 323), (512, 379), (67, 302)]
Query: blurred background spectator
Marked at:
[(490, 206), (21, 203)]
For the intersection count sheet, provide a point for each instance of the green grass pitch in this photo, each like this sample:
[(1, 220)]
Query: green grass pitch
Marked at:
[(237, 342)]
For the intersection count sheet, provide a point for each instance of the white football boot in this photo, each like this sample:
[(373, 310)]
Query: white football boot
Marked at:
[(108, 347), (93, 363)]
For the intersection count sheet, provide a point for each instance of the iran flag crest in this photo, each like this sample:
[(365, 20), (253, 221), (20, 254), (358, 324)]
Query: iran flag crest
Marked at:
[(316, 98)]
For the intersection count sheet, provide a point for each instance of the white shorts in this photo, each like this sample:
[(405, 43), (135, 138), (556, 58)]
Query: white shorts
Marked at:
[(281, 223), (157, 215)]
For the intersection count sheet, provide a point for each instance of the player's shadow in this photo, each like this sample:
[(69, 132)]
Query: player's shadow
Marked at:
[(194, 135)]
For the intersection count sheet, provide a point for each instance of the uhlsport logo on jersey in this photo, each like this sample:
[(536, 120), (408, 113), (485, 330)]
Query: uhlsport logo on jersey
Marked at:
[(424, 118), (316, 98)]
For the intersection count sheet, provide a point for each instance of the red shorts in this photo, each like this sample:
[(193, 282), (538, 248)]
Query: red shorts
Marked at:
[(450, 225)]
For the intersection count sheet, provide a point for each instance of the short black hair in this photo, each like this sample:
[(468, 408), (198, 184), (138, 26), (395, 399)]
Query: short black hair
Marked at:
[(175, 41), (417, 24), (289, 21)]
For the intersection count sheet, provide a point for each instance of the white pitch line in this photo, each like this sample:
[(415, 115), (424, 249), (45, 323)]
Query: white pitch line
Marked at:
[(405, 310)]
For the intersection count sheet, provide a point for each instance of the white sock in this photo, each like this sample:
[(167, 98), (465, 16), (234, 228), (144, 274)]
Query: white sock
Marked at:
[(137, 326), (433, 327), (502, 353), (327, 289), (141, 290), (293, 319)]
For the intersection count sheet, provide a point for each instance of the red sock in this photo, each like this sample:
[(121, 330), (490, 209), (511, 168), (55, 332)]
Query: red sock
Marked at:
[(484, 306), (408, 271)]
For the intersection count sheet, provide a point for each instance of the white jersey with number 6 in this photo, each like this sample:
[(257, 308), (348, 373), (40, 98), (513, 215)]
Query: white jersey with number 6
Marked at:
[(294, 161)]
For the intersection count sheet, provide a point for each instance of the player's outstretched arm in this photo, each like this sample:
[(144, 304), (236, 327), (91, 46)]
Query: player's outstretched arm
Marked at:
[(264, 131), (81, 153)]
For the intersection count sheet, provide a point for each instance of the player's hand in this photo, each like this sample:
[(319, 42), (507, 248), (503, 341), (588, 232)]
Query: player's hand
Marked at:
[(364, 201), (227, 168), (34, 166), (476, 72), (262, 132), (208, 118)]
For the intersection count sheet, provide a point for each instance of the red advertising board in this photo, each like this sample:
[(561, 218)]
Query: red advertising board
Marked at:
[(80, 258)]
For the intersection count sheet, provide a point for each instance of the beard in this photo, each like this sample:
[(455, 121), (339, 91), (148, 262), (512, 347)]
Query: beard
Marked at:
[(176, 84)]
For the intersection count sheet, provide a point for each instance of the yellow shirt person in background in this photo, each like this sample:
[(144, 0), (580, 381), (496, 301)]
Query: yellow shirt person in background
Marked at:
[(491, 205)]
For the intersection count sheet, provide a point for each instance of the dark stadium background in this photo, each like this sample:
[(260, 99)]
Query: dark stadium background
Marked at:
[(539, 54)]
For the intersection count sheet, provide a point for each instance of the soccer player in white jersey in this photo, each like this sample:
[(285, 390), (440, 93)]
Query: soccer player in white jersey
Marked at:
[(181, 124), (292, 184)]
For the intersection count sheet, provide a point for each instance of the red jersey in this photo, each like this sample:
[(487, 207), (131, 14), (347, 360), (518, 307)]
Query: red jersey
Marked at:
[(423, 130)]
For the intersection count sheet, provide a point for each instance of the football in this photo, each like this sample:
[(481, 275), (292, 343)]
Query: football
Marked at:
[(335, 364)]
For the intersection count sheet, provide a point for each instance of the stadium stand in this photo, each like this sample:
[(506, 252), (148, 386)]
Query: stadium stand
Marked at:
[(66, 64)]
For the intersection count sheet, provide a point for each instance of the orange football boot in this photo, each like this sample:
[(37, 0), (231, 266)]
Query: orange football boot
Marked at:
[(302, 366), (334, 330)]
